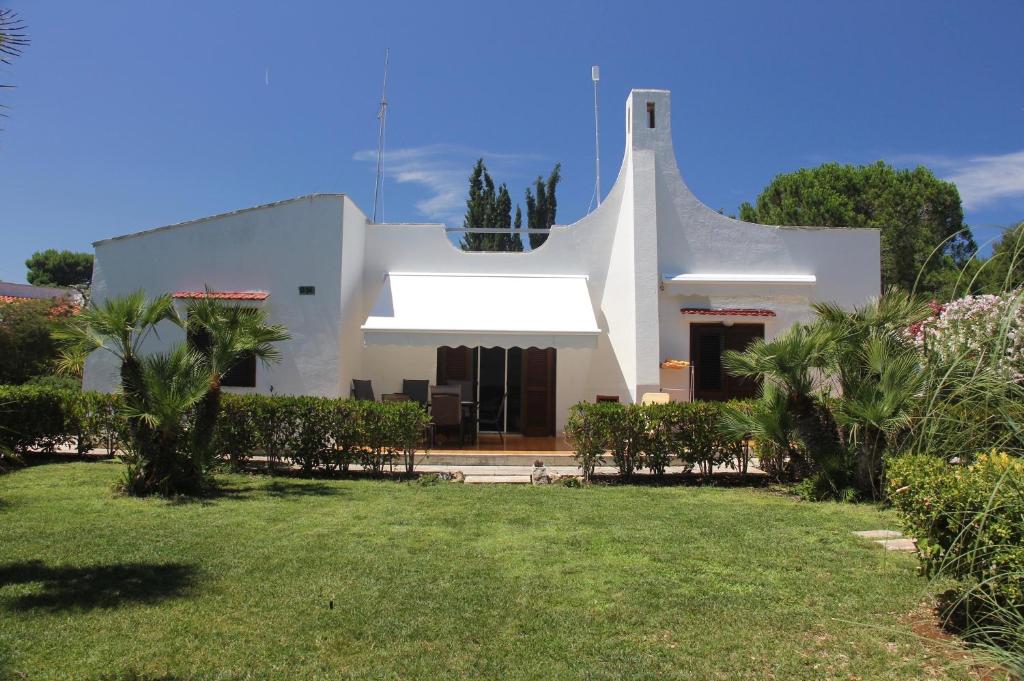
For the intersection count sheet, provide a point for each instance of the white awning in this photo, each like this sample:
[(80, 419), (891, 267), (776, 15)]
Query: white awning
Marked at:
[(481, 309), (739, 278)]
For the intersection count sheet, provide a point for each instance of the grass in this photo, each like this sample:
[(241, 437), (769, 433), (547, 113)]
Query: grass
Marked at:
[(445, 581)]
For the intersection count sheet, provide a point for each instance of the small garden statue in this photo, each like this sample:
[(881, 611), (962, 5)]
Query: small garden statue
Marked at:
[(540, 475)]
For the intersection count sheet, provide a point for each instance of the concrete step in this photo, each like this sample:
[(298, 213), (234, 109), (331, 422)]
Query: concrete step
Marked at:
[(471, 458), (902, 544), (879, 534), (495, 479)]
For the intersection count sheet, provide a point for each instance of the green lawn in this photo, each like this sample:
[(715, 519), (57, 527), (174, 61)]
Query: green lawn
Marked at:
[(444, 581)]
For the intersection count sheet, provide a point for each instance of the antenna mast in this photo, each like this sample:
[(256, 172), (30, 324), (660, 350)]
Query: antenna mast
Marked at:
[(595, 75), (382, 116)]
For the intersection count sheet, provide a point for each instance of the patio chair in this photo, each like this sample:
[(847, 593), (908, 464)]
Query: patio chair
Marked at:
[(362, 390), (466, 389), (445, 411), (607, 398), (416, 390), (655, 398), (493, 419)]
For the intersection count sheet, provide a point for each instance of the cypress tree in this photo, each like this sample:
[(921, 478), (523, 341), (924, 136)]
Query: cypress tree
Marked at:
[(542, 208)]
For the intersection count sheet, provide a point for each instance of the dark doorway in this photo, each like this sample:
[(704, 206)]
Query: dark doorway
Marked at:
[(526, 378), (708, 342)]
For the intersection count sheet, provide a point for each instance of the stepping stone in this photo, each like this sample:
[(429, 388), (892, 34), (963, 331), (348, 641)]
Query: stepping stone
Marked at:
[(879, 534), (902, 544), (494, 479)]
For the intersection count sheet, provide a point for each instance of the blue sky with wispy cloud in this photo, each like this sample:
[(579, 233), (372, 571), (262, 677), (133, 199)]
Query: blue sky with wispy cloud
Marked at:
[(440, 172), (128, 115)]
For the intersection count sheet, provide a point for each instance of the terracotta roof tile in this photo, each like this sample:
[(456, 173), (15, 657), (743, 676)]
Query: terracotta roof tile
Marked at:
[(729, 311), (223, 295)]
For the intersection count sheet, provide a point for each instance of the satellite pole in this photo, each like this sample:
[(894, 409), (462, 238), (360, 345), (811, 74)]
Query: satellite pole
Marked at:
[(382, 116), (595, 75)]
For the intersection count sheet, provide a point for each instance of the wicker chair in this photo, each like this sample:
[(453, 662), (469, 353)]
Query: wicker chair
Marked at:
[(416, 390), (362, 390)]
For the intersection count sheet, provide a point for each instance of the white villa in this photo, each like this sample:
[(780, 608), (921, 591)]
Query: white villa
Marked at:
[(652, 274)]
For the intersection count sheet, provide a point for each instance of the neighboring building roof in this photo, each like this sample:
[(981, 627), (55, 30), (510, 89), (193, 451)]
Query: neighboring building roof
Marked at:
[(10, 293), (728, 311), (223, 295), (482, 309)]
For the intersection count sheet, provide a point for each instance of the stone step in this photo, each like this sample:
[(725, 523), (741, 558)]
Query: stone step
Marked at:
[(902, 544), (494, 479), (879, 534)]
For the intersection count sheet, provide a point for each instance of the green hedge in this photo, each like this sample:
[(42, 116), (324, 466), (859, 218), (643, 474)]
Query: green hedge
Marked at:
[(319, 433), (39, 417), (310, 432), (969, 523), (652, 436)]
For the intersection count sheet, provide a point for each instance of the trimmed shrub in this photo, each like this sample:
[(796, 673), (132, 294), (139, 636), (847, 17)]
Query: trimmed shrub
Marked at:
[(969, 524), (651, 436), (35, 417), (237, 433), (588, 430), (319, 432), (702, 442), (100, 422)]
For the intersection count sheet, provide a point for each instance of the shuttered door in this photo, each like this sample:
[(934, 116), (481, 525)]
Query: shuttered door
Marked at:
[(738, 337), (707, 344), (539, 392)]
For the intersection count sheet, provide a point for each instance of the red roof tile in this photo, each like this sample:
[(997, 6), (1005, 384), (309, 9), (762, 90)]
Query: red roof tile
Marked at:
[(729, 311), (223, 295)]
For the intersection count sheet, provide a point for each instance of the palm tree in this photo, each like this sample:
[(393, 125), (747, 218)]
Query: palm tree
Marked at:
[(880, 376), (174, 384), (224, 335), (768, 422), (119, 326), (850, 381), (12, 39), (794, 363)]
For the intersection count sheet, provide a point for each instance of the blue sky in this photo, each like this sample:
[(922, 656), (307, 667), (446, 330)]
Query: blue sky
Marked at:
[(129, 115)]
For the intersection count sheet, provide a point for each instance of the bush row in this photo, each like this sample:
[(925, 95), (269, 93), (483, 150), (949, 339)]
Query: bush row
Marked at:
[(321, 433), (36, 417), (311, 432), (969, 524), (652, 436)]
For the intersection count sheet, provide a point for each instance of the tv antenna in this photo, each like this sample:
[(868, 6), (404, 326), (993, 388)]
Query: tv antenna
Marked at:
[(595, 75), (382, 117)]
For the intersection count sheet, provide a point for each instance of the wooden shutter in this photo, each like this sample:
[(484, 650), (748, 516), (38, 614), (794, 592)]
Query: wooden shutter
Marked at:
[(539, 392), (454, 364)]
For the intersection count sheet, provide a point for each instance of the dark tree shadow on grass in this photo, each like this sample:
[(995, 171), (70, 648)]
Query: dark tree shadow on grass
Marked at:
[(274, 489), (96, 586)]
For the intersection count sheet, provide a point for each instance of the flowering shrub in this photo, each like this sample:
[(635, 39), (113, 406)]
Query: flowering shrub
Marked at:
[(968, 522), (983, 327)]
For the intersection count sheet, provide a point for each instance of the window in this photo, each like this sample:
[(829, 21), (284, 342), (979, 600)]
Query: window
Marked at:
[(241, 375), (650, 114)]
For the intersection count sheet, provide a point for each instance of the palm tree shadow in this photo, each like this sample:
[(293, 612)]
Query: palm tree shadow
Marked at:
[(95, 586)]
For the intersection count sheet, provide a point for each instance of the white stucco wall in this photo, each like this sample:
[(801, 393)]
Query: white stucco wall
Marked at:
[(274, 248), (650, 226)]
